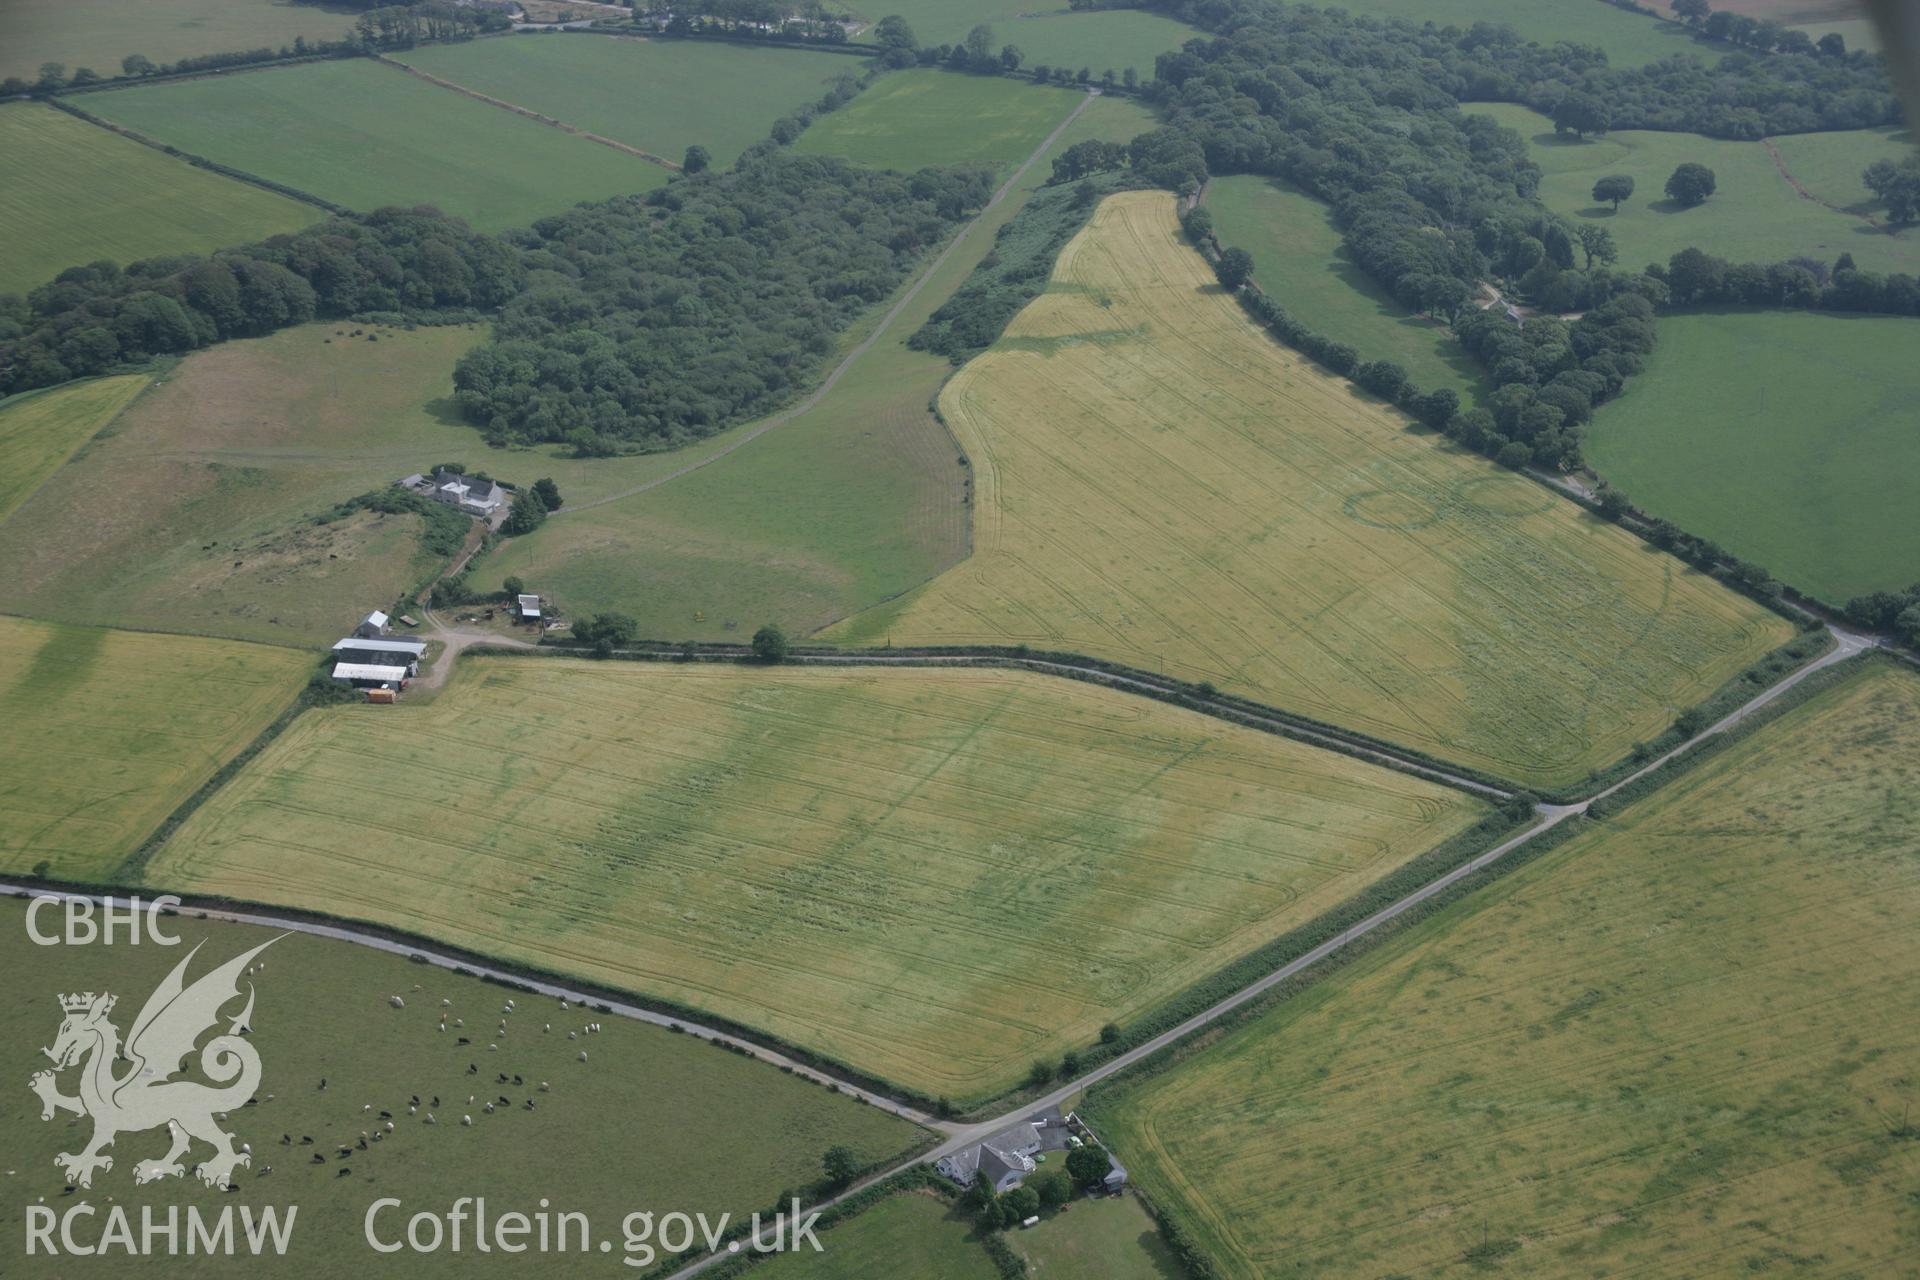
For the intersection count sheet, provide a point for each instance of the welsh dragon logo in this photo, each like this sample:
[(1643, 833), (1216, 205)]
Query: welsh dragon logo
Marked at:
[(144, 1096)]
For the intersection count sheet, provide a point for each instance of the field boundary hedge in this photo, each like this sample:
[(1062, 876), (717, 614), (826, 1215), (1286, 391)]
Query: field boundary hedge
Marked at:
[(198, 161)]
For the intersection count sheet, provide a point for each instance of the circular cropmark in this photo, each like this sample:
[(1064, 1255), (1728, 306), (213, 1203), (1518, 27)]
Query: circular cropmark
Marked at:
[(1386, 509), (1505, 496)]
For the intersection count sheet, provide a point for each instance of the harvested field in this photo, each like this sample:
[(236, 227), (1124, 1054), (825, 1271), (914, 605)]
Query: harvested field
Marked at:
[(108, 731), (1158, 483), (73, 193), (911, 119), (40, 431), (659, 95), (685, 1123), (1680, 1044), (365, 135), (936, 875)]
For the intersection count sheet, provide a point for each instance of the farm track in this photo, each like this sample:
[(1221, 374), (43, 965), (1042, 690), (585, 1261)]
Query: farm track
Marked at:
[(905, 300), (528, 112)]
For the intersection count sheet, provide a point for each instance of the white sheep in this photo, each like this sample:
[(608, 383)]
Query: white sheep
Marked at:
[(467, 1120)]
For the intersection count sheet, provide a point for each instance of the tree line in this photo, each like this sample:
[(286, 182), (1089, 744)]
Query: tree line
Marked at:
[(91, 319)]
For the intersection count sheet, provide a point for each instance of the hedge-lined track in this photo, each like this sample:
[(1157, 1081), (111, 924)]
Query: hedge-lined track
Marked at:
[(934, 875), (1158, 484)]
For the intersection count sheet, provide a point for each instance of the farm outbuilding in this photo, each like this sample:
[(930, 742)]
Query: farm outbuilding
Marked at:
[(527, 608), (372, 626), (367, 675), (381, 652)]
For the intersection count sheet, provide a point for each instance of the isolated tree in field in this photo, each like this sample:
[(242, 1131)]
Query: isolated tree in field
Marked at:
[(1011, 57), (549, 492), (841, 1165), (1692, 12), (1690, 184), (1597, 243), (893, 32), (1897, 186), (696, 160), (979, 47), (770, 643), (1234, 268), (137, 64), (1615, 188), (1087, 1165), (1581, 114)]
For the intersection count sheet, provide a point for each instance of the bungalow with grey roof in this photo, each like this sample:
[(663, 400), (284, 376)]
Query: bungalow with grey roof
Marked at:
[(1005, 1158)]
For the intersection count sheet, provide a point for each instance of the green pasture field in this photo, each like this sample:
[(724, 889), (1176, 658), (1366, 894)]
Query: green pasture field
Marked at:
[(855, 501), (1785, 436), (99, 33), (651, 1122), (937, 875), (1679, 1044), (660, 96), (910, 119), (1830, 164), (40, 430), (1630, 39), (1047, 33), (1298, 259), (1754, 216), (1815, 17), (108, 731), (193, 512), (1111, 1238), (73, 193), (905, 1237), (1159, 483), (365, 135)]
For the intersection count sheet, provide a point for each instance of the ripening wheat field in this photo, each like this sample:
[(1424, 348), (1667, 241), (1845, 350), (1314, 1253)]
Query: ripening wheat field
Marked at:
[(1159, 483), (937, 875), (1680, 1045)]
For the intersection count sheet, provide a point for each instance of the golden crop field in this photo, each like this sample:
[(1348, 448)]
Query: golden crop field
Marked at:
[(937, 875), (1159, 483), (1681, 1044), (108, 731), (39, 432)]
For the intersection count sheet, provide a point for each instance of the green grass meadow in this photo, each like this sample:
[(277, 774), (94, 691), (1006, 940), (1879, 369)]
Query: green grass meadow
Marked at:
[(365, 135), (1830, 164), (1046, 32), (651, 1122), (1679, 1044), (855, 501), (1630, 39), (73, 193), (39, 431), (911, 119), (660, 96), (1111, 1238), (1298, 259), (912, 1236), (99, 33), (1754, 216), (1786, 436)]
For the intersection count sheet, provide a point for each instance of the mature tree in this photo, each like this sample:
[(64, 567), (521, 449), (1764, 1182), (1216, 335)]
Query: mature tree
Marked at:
[(979, 47), (137, 64), (1690, 184), (1695, 275), (1613, 503), (1053, 1185), (1021, 1203), (53, 75), (1088, 1165), (607, 632), (1234, 268), (1514, 454), (86, 75), (1832, 45), (1692, 12), (770, 643), (1897, 186), (549, 492), (1581, 114), (1614, 187), (1010, 57), (841, 1165), (528, 514), (513, 586), (1130, 78), (893, 32), (696, 160), (1597, 243)]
